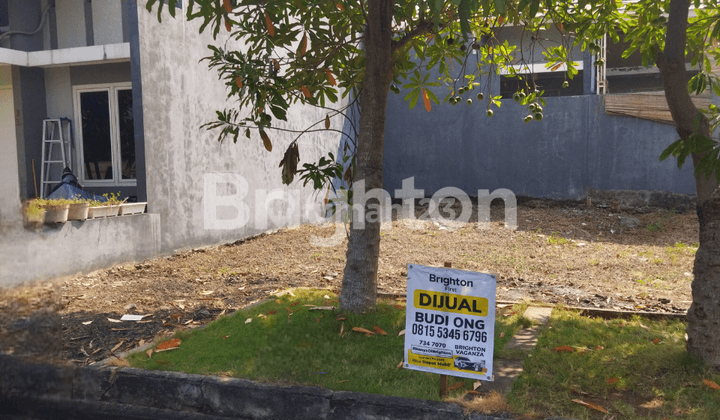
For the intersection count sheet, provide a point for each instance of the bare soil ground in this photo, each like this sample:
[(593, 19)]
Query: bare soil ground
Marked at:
[(561, 252)]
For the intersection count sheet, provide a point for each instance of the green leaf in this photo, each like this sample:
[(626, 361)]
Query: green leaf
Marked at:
[(670, 150), (414, 98), (432, 96), (464, 12), (534, 6)]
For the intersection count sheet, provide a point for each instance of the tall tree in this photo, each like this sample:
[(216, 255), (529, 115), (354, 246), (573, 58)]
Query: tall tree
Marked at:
[(306, 50), (694, 128)]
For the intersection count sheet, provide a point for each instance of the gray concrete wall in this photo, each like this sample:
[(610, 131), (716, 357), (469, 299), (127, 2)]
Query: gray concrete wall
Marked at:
[(76, 247), (179, 95), (100, 73), (70, 15), (107, 21), (575, 147), (30, 110), (58, 91)]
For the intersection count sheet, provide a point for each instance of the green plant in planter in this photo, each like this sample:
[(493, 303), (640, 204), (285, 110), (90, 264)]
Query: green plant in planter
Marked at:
[(113, 199), (54, 202), (95, 203), (33, 211)]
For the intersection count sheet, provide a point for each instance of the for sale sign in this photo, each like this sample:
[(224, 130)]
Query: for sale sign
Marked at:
[(450, 322)]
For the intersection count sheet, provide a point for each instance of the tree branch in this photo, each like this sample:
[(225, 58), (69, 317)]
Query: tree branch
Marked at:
[(688, 119), (671, 62), (421, 28)]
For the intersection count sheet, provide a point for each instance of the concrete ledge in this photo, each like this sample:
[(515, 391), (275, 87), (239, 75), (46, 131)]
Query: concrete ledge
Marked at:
[(50, 391), (76, 246), (94, 54)]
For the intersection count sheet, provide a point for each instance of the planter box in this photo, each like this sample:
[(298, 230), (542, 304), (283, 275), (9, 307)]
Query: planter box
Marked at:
[(56, 214), (114, 210), (78, 211), (99, 212), (35, 222), (132, 208)]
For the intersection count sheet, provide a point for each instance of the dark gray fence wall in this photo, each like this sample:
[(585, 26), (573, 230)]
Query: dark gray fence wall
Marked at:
[(576, 147)]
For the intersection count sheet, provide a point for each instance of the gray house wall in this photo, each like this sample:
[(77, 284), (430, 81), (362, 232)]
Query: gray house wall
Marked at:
[(576, 147), (173, 95), (179, 94)]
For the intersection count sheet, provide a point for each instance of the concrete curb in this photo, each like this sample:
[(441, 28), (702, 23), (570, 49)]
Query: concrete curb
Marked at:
[(51, 391)]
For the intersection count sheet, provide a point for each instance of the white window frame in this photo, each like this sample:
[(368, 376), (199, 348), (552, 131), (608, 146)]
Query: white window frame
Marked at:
[(112, 89)]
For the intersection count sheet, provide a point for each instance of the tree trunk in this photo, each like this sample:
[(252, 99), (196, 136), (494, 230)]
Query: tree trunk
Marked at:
[(359, 286), (703, 329)]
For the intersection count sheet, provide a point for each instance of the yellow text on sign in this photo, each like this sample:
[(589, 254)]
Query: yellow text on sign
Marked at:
[(448, 302)]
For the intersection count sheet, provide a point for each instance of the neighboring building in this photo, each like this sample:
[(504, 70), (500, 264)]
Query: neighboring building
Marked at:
[(136, 95), (605, 131)]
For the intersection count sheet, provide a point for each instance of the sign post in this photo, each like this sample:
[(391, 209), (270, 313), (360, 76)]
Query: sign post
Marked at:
[(450, 322)]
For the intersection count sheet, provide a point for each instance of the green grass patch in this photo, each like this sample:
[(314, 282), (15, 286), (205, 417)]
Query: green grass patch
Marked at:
[(306, 347), (556, 239), (636, 369)]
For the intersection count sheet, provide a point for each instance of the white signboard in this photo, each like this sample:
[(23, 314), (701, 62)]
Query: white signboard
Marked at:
[(450, 322)]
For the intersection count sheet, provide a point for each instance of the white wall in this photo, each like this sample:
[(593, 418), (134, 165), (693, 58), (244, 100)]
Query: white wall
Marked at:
[(9, 181), (107, 21), (70, 16)]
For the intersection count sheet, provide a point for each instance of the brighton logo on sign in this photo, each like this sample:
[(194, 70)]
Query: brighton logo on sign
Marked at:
[(450, 322)]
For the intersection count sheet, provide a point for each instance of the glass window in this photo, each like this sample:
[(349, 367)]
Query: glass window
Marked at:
[(550, 82), (97, 146), (106, 136), (127, 133)]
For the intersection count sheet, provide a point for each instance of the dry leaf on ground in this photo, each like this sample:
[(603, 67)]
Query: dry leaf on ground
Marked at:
[(173, 342), (399, 365), (117, 346), (611, 380), (711, 384), (590, 405), (568, 349), (379, 330), (363, 330), (456, 386), (653, 404), (401, 333)]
